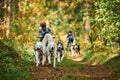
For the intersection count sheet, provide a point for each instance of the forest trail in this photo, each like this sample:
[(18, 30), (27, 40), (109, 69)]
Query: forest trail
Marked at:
[(91, 72), (96, 72)]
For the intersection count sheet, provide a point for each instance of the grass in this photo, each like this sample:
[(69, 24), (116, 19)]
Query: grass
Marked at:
[(98, 57), (114, 64), (66, 62), (12, 66), (87, 56)]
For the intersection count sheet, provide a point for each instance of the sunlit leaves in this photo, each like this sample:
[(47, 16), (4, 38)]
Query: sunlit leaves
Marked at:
[(118, 24)]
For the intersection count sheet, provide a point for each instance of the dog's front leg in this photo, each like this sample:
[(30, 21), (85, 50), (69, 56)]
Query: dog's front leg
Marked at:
[(58, 56), (37, 58), (54, 61), (62, 55), (49, 59), (55, 56), (43, 59), (72, 50)]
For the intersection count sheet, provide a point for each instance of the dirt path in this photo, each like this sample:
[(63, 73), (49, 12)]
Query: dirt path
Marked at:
[(94, 72), (46, 73)]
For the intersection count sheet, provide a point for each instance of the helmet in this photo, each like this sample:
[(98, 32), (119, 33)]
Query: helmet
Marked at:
[(43, 24)]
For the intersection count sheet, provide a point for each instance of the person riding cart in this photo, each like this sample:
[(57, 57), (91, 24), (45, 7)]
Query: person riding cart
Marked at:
[(44, 29), (70, 39)]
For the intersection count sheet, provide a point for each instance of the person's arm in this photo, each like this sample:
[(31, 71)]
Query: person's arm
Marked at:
[(52, 32), (73, 37), (74, 41), (67, 39), (38, 35)]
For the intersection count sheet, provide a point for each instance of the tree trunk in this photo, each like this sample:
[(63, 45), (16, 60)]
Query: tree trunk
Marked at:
[(87, 21), (16, 6), (8, 18)]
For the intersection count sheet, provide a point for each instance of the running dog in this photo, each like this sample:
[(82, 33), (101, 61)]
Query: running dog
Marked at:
[(39, 52), (51, 48), (75, 48), (60, 51), (51, 53)]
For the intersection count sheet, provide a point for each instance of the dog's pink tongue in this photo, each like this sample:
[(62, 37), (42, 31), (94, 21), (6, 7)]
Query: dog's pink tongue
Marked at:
[(38, 49)]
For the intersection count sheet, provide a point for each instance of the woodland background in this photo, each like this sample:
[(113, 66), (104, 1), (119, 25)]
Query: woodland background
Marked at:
[(95, 23)]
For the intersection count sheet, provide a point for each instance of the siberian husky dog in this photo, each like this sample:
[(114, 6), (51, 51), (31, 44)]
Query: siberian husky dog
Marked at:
[(75, 49), (39, 52), (51, 48), (60, 51)]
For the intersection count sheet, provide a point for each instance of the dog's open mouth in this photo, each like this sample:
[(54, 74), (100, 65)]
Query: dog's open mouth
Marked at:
[(59, 48), (38, 49)]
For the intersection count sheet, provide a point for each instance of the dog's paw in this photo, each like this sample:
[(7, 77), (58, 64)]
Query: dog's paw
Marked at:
[(37, 65), (58, 60)]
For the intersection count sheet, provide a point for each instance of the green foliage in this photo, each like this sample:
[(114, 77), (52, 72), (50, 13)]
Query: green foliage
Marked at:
[(87, 56), (64, 15), (110, 33), (12, 66), (102, 58), (92, 39), (114, 64), (15, 27)]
